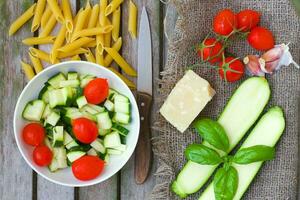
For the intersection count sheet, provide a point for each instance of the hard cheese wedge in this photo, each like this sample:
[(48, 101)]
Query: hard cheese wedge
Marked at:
[(187, 100)]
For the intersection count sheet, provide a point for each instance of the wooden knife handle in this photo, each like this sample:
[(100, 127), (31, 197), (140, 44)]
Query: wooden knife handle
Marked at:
[(143, 151)]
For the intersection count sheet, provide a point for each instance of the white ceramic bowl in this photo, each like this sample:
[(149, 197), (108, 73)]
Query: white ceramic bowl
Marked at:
[(30, 92)]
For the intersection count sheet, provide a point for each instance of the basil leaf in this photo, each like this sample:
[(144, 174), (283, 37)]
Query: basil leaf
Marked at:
[(254, 154), (225, 183), (212, 132), (202, 154)]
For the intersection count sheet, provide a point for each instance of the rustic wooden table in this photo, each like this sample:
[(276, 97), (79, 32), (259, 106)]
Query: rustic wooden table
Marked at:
[(17, 180)]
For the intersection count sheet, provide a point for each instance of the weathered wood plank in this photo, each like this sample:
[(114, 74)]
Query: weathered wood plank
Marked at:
[(15, 174), (46, 189)]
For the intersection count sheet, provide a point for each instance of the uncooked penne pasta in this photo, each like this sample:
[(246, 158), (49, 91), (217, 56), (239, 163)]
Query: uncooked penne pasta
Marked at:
[(49, 26), (46, 16), (66, 8), (90, 57), (40, 7), (76, 44), (116, 17), (117, 46), (94, 16), (81, 20), (121, 61), (41, 55), (102, 18), (53, 4), (58, 43), (99, 42), (91, 32), (107, 36), (132, 19), (39, 40), (128, 82), (28, 70), (114, 4), (99, 57), (92, 44), (76, 57), (20, 21), (36, 62), (72, 53)]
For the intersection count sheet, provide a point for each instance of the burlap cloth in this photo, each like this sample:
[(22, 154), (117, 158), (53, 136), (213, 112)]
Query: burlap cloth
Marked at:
[(278, 178)]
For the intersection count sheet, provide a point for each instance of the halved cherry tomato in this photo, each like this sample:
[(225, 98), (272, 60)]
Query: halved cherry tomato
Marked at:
[(33, 134), (261, 38), (247, 19), (224, 22), (87, 167), (85, 130), (96, 91), (231, 69), (42, 155), (211, 50)]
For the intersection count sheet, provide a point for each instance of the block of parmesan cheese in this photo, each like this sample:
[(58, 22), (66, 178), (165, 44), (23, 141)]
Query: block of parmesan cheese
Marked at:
[(187, 99)]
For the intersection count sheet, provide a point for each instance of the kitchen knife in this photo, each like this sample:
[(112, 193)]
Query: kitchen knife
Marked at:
[(143, 152)]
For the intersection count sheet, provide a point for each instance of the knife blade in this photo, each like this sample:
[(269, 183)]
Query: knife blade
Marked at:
[(143, 155)]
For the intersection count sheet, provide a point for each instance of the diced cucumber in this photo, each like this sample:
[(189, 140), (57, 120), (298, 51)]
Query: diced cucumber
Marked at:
[(92, 152), (122, 107), (120, 129), (53, 165), (58, 136), (86, 80), (52, 119), (48, 143), (44, 93), (72, 76), (112, 140), (88, 109), (67, 138), (69, 83), (33, 111), (89, 116), (96, 108), (267, 132), (106, 159), (60, 97), (72, 144), (103, 132), (104, 120), (74, 155), (81, 101), (122, 147), (60, 155), (98, 146), (55, 80), (238, 116), (111, 94), (47, 111), (74, 115), (114, 152), (121, 118), (121, 98), (109, 105)]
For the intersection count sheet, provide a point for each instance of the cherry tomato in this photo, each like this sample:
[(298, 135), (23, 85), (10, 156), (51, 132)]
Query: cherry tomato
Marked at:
[(33, 134), (224, 22), (87, 167), (233, 68), (42, 155), (85, 130), (247, 19), (261, 39), (96, 91), (211, 50)]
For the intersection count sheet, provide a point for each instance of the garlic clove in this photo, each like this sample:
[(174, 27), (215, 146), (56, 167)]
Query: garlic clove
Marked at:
[(252, 65)]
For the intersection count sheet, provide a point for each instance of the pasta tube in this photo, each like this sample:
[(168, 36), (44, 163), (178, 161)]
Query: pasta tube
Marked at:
[(90, 57), (76, 44), (102, 18), (128, 82), (58, 43), (92, 44), (121, 62), (116, 24), (66, 8), (132, 20), (46, 16), (94, 16), (41, 55), (81, 21), (36, 62), (28, 70), (39, 40), (112, 6), (56, 10), (91, 32), (20, 21), (49, 26), (40, 7), (72, 53), (117, 46)]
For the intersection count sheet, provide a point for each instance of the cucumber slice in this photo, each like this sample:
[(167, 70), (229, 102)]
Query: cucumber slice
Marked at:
[(60, 97), (98, 146), (52, 119), (122, 107), (55, 80), (67, 138), (267, 132), (103, 120), (121, 118), (240, 113), (74, 155), (44, 93), (109, 105), (58, 136), (47, 111), (69, 83), (53, 165), (33, 111), (85, 80), (88, 109), (99, 109), (106, 159), (103, 132), (120, 129), (81, 101), (60, 155), (112, 140), (72, 144), (72, 76), (111, 94), (121, 98), (114, 152), (122, 147), (92, 152)]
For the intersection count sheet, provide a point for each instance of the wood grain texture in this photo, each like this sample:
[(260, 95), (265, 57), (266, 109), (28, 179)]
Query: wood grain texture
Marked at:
[(15, 174)]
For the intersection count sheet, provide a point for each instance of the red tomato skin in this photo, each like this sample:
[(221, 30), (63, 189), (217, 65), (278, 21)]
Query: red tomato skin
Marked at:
[(33, 134), (87, 167), (85, 130), (206, 52), (261, 39), (42, 155), (236, 65), (224, 22), (96, 91), (247, 19)]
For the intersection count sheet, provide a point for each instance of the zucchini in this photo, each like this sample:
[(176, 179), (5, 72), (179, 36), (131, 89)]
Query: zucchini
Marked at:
[(267, 132), (240, 113), (34, 110)]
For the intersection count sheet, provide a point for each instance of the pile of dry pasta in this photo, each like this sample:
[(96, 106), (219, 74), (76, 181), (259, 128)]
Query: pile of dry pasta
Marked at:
[(92, 32)]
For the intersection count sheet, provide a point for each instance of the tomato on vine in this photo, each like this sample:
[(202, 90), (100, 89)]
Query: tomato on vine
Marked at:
[(247, 19), (261, 39), (224, 22), (231, 69), (210, 50)]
